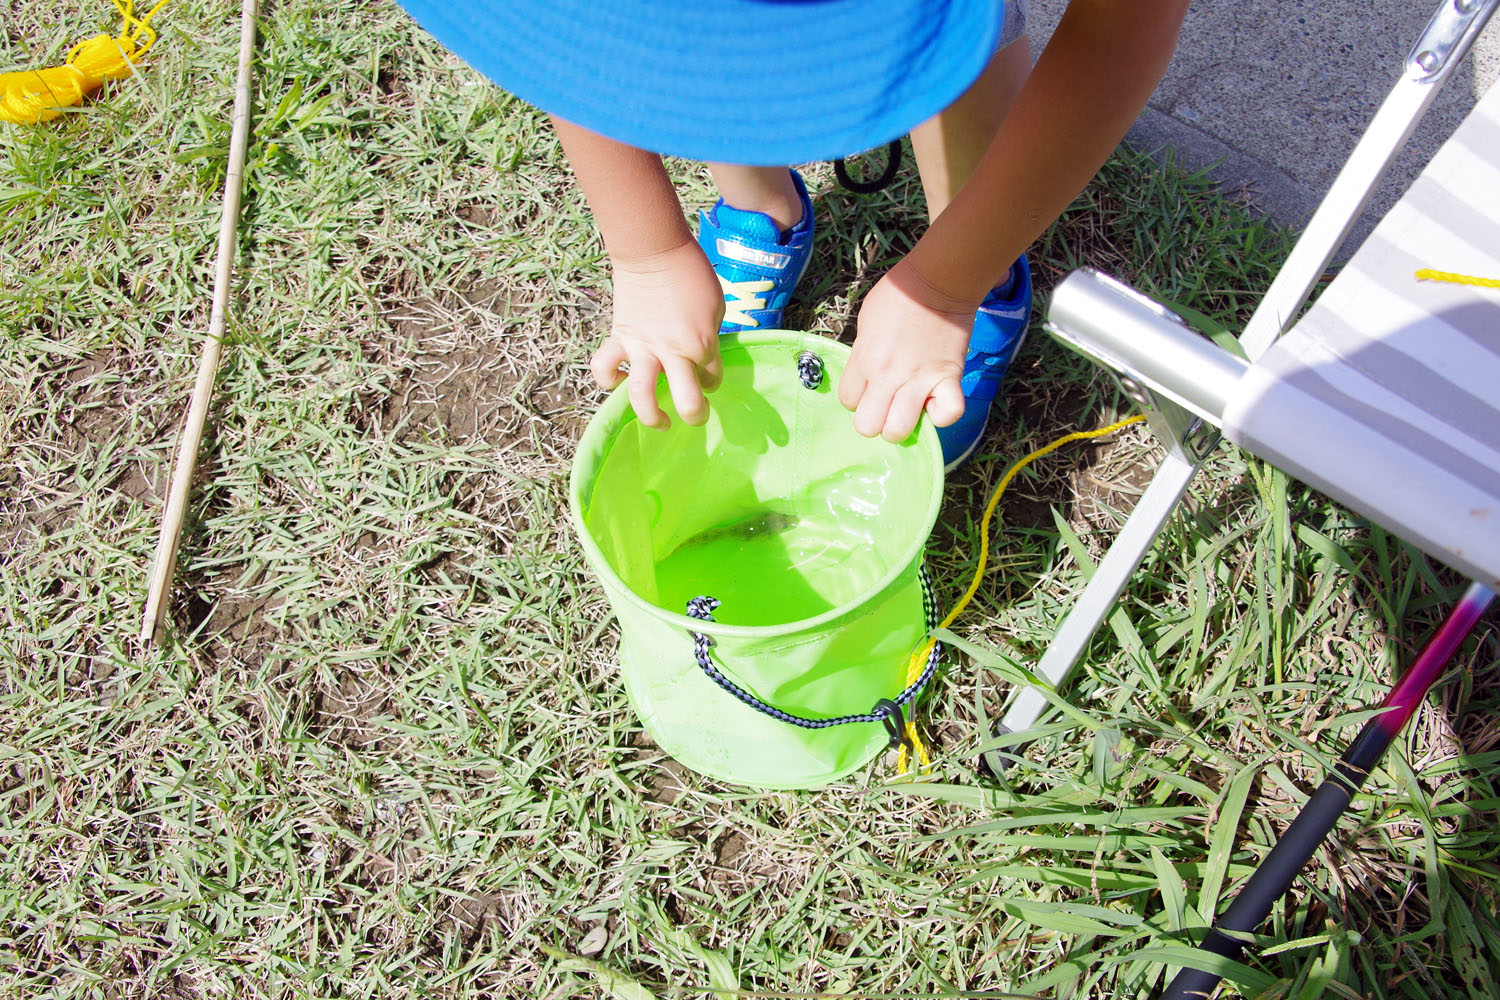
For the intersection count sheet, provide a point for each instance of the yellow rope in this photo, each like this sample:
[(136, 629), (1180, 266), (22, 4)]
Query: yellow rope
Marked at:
[(1428, 274), (31, 96), (918, 658)]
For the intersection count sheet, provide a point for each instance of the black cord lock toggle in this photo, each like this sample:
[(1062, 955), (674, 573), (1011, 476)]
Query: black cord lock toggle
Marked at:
[(895, 723)]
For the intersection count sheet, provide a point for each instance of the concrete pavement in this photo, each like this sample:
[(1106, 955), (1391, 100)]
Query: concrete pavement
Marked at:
[(1276, 93)]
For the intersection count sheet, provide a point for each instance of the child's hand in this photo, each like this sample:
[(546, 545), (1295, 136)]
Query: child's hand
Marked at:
[(667, 309), (908, 356)]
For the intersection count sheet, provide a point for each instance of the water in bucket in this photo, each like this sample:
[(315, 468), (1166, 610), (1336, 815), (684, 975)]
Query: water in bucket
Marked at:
[(818, 548)]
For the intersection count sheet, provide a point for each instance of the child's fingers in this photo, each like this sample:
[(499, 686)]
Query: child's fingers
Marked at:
[(946, 402), (642, 389), (874, 405), (606, 362), (711, 373), (905, 410), (682, 380), (851, 387)]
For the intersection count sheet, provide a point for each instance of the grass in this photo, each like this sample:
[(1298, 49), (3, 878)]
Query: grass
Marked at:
[(387, 753)]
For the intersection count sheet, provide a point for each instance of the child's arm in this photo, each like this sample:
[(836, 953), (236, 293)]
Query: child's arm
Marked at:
[(667, 302), (1091, 81)]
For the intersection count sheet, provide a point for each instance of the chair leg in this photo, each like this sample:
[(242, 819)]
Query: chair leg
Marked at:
[(1104, 588)]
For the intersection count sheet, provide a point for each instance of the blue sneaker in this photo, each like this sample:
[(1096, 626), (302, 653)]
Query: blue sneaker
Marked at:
[(999, 328), (758, 265)]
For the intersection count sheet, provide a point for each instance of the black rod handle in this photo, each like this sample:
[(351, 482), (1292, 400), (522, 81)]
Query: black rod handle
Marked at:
[(1269, 882)]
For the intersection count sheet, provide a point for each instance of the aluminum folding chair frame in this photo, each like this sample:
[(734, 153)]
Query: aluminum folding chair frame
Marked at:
[(1185, 413), (1334, 376)]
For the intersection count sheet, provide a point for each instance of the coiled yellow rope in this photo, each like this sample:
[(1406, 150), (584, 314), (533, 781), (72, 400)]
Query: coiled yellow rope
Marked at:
[(31, 96), (918, 659), (1428, 274)]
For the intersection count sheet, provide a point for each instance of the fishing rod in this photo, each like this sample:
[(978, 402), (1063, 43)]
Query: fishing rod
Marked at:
[(1275, 874)]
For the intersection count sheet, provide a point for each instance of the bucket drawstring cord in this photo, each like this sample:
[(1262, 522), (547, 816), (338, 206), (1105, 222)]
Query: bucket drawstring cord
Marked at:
[(914, 663), (886, 710)]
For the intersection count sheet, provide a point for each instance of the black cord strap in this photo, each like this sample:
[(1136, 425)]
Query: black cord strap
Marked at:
[(892, 162), (886, 710)]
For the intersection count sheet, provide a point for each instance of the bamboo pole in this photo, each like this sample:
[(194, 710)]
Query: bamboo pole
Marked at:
[(165, 562)]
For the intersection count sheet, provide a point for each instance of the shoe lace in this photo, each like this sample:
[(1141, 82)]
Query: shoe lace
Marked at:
[(742, 296)]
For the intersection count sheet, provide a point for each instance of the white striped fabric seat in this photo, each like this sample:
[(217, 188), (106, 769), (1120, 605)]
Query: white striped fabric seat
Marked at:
[(1386, 394)]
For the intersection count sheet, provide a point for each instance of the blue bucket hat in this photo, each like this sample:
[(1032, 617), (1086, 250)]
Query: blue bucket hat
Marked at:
[(759, 82)]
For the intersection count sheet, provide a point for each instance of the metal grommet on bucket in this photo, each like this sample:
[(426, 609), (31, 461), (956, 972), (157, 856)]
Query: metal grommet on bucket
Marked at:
[(810, 369)]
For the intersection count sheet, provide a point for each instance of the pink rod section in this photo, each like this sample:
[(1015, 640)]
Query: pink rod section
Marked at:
[(1413, 685)]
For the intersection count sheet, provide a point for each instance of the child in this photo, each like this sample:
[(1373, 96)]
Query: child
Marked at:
[(752, 85)]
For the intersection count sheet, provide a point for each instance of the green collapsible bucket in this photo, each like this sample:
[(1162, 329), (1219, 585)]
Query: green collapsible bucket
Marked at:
[(765, 567)]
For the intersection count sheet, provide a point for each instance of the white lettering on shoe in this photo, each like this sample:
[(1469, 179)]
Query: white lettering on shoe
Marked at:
[(750, 255)]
